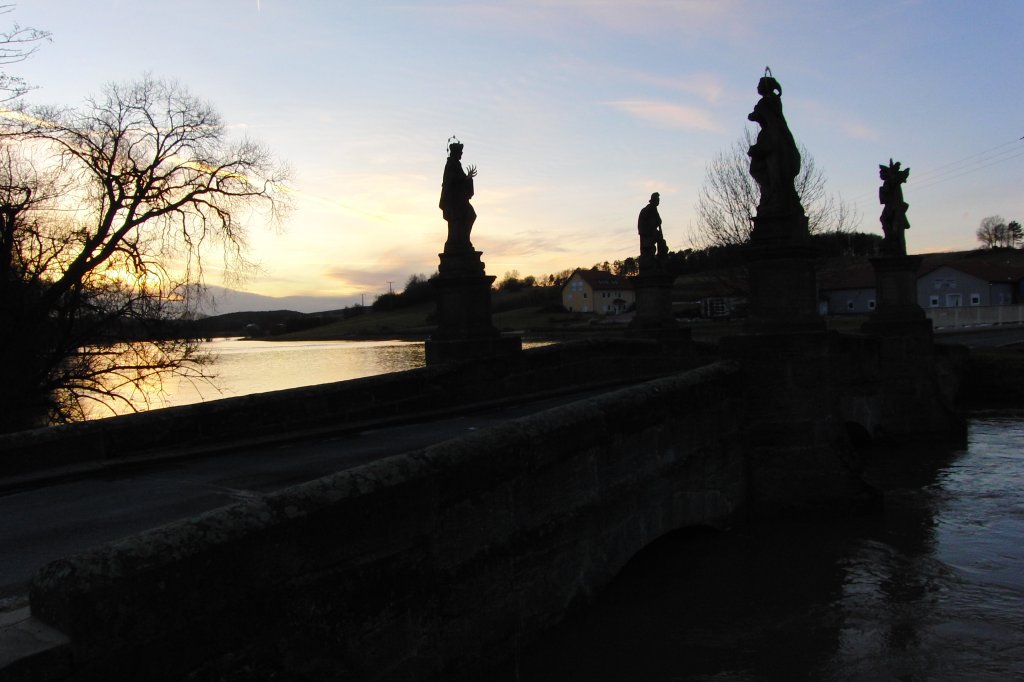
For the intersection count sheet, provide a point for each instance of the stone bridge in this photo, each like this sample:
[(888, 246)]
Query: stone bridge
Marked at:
[(430, 564)]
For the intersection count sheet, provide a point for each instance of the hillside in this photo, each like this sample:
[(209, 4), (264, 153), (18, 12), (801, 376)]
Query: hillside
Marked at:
[(409, 322)]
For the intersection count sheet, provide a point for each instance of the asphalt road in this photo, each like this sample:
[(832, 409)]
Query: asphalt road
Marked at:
[(55, 520), (982, 337)]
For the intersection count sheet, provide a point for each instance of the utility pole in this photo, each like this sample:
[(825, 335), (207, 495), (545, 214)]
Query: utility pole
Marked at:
[(390, 290)]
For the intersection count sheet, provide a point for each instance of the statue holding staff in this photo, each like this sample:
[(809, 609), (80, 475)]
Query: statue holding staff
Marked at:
[(456, 191)]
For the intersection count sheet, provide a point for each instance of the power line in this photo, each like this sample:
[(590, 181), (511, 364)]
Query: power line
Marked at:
[(928, 182), (958, 168)]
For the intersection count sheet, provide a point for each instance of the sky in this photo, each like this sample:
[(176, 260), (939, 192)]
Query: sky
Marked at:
[(573, 111)]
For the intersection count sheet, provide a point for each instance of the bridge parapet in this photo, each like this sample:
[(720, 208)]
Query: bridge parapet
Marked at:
[(419, 566), (413, 394)]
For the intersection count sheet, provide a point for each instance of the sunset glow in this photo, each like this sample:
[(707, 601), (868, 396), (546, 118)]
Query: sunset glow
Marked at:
[(573, 112)]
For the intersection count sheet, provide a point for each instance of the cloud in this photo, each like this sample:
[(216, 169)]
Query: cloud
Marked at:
[(828, 116), (668, 115), (354, 278), (372, 271), (553, 18), (528, 243), (858, 130), (706, 86)]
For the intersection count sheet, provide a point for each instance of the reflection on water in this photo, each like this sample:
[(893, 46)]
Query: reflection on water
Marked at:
[(929, 588), (244, 366), (241, 367)]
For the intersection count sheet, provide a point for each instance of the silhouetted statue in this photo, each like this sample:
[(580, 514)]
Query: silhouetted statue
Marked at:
[(894, 214), (653, 249), (774, 157), (456, 191)]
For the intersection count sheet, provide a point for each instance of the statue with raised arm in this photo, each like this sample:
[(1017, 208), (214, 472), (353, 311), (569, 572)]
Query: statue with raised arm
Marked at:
[(774, 157), (894, 211), (653, 248), (456, 191)]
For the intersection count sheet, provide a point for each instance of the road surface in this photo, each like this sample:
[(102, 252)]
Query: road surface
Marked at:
[(54, 520)]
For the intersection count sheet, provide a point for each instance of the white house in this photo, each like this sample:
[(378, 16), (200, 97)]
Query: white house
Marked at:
[(597, 291), (944, 280), (971, 282)]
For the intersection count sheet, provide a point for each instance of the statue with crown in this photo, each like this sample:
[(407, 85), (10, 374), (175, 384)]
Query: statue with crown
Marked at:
[(456, 191), (779, 256), (774, 159), (464, 329)]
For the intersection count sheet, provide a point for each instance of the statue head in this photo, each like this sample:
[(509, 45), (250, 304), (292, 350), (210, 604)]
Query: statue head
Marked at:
[(769, 86), (893, 172), (655, 198), (454, 147)]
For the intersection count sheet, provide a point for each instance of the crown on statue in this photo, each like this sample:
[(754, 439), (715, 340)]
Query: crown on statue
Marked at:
[(454, 146), (893, 171), (768, 84)]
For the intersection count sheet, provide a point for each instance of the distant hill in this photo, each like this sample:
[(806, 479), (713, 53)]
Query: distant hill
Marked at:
[(256, 323), (232, 301)]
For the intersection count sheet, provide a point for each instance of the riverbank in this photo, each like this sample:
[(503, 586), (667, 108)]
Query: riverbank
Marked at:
[(995, 378), (415, 323)]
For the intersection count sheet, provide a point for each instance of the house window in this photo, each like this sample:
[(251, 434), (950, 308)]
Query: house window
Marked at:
[(849, 305), (871, 304), (975, 299), (933, 301), (954, 300), (576, 285)]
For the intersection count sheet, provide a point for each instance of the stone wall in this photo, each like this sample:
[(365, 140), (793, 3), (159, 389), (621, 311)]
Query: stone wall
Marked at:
[(413, 394), (899, 388), (420, 566), (814, 397)]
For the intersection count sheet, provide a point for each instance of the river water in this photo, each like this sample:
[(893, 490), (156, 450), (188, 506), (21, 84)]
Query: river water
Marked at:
[(244, 366), (929, 587)]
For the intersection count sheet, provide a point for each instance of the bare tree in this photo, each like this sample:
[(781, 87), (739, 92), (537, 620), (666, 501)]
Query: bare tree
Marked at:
[(16, 45), (992, 232), (727, 202), (1014, 233), (110, 212)]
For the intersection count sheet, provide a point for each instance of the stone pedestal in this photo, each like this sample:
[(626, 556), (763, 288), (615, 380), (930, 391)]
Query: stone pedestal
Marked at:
[(653, 318), (653, 302), (783, 288), (906, 360), (464, 328), (896, 307), (798, 454)]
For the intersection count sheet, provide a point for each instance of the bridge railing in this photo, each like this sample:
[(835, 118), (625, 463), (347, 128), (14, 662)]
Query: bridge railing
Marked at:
[(975, 316), (262, 417)]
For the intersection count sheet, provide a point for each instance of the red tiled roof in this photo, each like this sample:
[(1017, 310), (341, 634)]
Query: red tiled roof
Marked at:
[(599, 279), (990, 265), (856, 274), (998, 265)]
